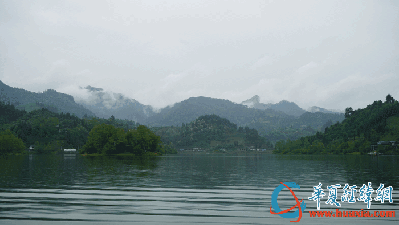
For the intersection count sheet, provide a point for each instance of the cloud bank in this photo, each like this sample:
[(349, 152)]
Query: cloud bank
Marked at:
[(332, 54)]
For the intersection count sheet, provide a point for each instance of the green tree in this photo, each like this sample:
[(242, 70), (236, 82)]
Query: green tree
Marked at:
[(116, 143), (389, 99), (348, 112), (132, 139), (147, 139), (9, 143), (99, 137), (143, 140)]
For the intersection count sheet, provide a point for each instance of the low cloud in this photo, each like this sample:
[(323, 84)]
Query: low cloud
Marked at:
[(306, 67), (98, 96), (177, 87), (264, 61), (160, 53), (92, 89)]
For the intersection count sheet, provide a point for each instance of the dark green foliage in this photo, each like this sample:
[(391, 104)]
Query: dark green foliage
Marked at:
[(8, 113), (325, 127), (356, 133), (348, 112), (9, 143), (264, 121), (269, 123), (211, 131), (51, 132), (106, 139), (43, 127), (389, 99), (51, 99), (169, 148)]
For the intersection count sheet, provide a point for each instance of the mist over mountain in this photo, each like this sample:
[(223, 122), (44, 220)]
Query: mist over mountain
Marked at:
[(263, 120), (105, 104), (263, 117), (253, 102), (212, 132), (189, 109), (50, 98), (285, 118), (318, 109), (290, 108)]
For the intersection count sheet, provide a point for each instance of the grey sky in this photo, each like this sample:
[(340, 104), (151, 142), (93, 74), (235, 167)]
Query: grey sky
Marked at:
[(333, 54)]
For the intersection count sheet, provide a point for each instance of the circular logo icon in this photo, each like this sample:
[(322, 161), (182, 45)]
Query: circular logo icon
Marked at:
[(285, 213)]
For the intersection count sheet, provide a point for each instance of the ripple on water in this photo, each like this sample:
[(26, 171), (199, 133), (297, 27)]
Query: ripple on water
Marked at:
[(174, 190)]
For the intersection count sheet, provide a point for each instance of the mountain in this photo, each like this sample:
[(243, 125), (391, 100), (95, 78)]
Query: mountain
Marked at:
[(50, 131), (254, 103), (189, 109), (268, 121), (374, 127), (51, 99), (105, 104), (8, 113), (265, 118), (318, 109), (212, 132), (290, 108), (251, 113)]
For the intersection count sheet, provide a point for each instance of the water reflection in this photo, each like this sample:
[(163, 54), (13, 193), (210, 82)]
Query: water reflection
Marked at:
[(212, 189), (118, 171), (355, 169), (69, 156)]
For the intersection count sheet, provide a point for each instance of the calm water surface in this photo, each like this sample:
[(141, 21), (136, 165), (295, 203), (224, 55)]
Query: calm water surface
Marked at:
[(183, 189)]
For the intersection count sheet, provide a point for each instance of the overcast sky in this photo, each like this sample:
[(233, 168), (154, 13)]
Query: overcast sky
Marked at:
[(332, 54)]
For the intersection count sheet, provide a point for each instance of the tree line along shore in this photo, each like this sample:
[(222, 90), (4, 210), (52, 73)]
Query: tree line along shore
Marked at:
[(45, 131)]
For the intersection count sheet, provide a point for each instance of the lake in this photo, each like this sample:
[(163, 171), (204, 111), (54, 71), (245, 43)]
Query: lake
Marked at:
[(185, 189)]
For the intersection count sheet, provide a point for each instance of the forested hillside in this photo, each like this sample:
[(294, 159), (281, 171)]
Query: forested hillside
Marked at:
[(106, 139), (105, 104), (50, 132), (274, 125), (289, 108), (188, 110), (361, 128), (51, 99), (284, 128), (8, 113), (212, 132)]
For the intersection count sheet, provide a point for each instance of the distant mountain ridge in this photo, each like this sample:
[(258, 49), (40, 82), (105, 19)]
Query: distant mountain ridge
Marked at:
[(264, 121), (265, 118), (290, 108), (22, 98), (370, 130), (212, 132), (318, 109), (105, 104), (189, 109)]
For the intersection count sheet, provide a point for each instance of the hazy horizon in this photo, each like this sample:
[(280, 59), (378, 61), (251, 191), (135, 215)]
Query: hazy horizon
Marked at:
[(115, 100), (330, 54)]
